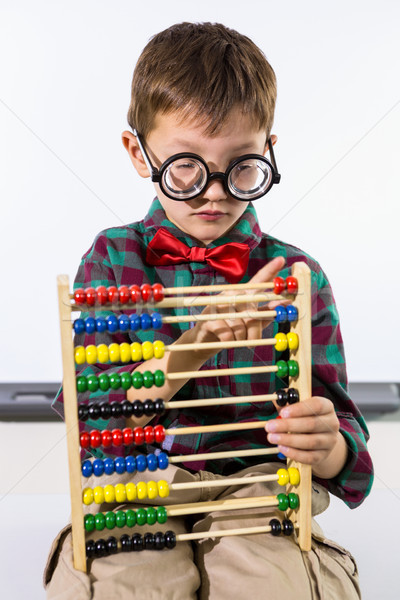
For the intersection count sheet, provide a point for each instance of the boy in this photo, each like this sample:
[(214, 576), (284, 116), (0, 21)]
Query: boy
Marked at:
[(203, 100)]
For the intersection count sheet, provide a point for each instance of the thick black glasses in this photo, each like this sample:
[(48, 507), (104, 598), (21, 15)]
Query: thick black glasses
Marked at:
[(184, 176)]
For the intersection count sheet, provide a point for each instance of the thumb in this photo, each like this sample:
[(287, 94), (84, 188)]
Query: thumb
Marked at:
[(269, 271)]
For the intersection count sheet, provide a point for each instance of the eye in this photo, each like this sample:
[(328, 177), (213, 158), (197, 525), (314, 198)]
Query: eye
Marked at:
[(185, 166)]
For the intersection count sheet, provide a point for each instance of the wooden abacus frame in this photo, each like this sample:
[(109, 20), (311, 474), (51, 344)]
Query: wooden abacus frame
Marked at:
[(300, 516)]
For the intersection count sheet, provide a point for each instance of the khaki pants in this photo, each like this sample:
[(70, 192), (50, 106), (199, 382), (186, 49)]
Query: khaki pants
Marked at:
[(256, 566)]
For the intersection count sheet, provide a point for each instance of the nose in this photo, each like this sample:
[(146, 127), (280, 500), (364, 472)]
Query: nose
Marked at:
[(215, 190)]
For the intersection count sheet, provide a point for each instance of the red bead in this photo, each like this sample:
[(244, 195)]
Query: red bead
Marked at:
[(117, 437), (291, 284), (106, 438), (158, 292), (102, 294), (149, 434), (279, 285), (80, 296), (85, 439), (124, 294), (146, 292), (113, 295), (90, 296), (139, 436), (159, 433), (95, 438), (136, 296), (128, 436)]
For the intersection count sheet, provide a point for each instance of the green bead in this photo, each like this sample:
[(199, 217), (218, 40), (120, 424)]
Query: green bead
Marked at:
[(126, 381), (137, 380), (110, 519), (293, 366), (293, 500), (283, 501), (130, 518), (92, 383), (141, 516), (159, 378), (161, 514), (81, 384), (115, 381), (100, 521), (151, 515), (120, 518), (104, 382), (148, 379), (283, 369), (89, 522)]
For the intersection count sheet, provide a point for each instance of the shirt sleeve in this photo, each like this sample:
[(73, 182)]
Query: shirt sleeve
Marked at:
[(329, 380)]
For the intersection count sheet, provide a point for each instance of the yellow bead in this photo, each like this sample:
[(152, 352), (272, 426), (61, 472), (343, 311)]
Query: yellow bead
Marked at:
[(80, 355), (163, 488), (294, 476), (152, 490), (87, 496), (125, 350), (130, 491), (281, 342), (283, 476), (91, 354), (136, 351), (109, 493), (102, 353), (120, 492), (159, 349), (98, 494), (141, 490), (115, 354), (293, 340), (147, 350)]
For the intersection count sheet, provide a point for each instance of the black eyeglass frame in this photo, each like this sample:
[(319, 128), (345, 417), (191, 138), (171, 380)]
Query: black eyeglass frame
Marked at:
[(157, 174)]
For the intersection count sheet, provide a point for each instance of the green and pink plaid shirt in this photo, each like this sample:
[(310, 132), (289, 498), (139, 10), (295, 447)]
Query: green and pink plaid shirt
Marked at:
[(117, 257)]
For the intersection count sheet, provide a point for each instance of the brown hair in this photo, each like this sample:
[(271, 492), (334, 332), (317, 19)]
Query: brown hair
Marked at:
[(202, 71)]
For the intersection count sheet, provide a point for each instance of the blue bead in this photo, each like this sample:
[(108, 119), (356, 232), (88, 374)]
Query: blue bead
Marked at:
[(281, 456), (124, 322), (156, 320), (108, 466), (87, 469), (112, 323), (292, 313), (162, 460), (98, 467), (145, 321), (79, 326), (152, 462), (130, 462), (135, 322), (101, 324), (281, 314), (90, 325), (141, 463), (120, 465)]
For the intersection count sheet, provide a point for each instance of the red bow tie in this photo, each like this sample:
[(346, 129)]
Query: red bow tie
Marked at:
[(230, 260)]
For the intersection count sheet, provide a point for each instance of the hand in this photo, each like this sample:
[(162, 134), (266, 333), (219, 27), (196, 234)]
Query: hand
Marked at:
[(308, 432)]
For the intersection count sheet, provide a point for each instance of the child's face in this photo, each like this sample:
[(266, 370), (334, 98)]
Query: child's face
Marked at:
[(214, 212)]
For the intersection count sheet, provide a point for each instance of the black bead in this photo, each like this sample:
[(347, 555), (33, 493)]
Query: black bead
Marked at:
[(100, 548), (148, 408), (126, 542), (287, 527), (105, 410), (137, 409), (170, 539), (126, 408), (94, 411), (83, 412), (159, 540), (112, 545), (148, 541), (275, 527), (90, 548), (116, 409), (159, 407), (293, 396), (282, 397), (137, 542)]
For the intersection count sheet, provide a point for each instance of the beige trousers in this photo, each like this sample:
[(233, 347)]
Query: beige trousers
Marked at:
[(256, 566)]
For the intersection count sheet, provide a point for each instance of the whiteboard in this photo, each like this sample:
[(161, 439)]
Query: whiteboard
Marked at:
[(65, 90)]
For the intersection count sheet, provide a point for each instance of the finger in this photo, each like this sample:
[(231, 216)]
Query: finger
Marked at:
[(308, 407), (305, 457), (300, 441), (310, 424)]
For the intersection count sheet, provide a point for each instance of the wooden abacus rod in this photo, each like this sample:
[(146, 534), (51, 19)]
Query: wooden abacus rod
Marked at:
[(219, 401), (247, 314), (194, 485), (220, 372), (216, 428), (176, 510), (219, 455), (183, 537), (221, 345), (191, 289)]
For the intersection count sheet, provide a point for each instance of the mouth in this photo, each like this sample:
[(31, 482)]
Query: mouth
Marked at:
[(210, 215)]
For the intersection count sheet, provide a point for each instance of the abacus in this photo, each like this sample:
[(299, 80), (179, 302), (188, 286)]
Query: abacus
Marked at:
[(295, 503)]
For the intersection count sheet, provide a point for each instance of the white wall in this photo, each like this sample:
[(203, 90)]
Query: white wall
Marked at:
[(65, 86)]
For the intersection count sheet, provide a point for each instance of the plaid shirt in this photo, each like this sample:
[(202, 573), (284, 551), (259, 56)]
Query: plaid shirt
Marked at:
[(117, 257)]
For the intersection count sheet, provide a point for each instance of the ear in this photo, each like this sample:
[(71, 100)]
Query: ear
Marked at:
[(274, 139), (131, 144)]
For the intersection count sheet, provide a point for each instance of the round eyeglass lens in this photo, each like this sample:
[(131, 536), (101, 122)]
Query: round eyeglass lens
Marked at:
[(250, 178), (184, 178)]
